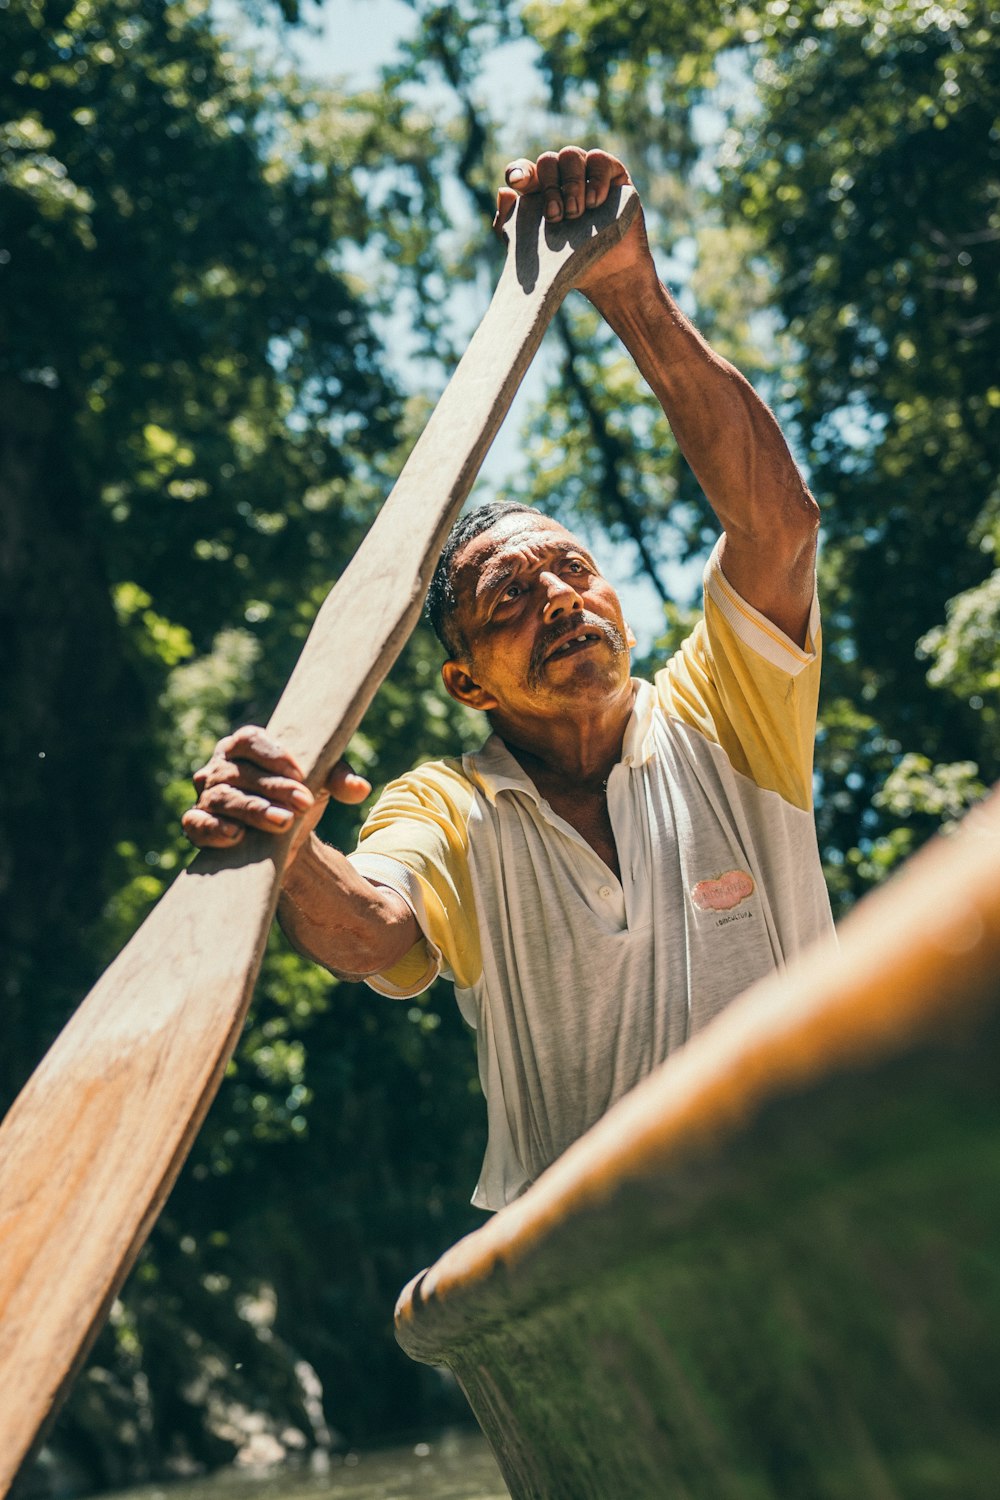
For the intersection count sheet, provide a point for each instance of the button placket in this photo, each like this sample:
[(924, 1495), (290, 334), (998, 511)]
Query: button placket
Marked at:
[(629, 842)]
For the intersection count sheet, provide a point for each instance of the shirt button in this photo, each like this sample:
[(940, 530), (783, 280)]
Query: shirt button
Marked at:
[(605, 891)]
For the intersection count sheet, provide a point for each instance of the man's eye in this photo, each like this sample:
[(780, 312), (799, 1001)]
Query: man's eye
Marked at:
[(575, 567), (511, 591)]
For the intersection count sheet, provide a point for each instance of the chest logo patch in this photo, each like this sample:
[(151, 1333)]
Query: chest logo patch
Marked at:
[(724, 892)]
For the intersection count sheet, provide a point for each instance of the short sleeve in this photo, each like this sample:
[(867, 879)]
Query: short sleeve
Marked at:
[(415, 841), (748, 687)]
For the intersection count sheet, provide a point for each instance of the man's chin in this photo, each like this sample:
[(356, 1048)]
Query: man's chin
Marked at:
[(593, 672), (605, 647)]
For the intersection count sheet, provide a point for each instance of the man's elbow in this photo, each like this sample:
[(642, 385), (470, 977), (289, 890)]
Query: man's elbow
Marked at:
[(787, 536), (345, 976), (809, 514), (354, 954)]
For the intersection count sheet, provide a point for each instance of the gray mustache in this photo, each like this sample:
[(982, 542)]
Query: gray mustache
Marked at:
[(557, 631)]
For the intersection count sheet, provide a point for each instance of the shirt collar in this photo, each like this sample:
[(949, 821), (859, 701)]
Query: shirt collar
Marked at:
[(495, 770)]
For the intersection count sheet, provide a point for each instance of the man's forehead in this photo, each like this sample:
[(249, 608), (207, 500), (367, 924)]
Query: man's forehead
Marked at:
[(512, 537)]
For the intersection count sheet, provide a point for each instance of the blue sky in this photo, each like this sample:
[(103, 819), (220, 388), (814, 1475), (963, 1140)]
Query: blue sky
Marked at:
[(356, 37)]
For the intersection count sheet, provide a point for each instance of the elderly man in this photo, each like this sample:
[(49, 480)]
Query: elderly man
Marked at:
[(621, 858)]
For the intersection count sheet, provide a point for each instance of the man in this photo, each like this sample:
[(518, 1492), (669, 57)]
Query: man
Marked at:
[(621, 858)]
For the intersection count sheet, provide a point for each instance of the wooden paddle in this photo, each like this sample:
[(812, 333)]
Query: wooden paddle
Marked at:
[(92, 1146)]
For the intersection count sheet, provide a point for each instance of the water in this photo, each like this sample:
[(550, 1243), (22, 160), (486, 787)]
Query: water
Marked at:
[(454, 1466)]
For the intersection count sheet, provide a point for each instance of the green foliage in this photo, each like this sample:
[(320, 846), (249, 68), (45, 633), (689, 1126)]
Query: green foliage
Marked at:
[(944, 792), (198, 255), (873, 173), (198, 425), (193, 410), (964, 654)]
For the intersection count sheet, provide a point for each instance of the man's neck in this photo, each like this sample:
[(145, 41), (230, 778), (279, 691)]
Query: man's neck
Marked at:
[(571, 752)]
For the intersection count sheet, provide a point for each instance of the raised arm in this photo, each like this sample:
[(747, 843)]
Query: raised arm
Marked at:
[(327, 910), (726, 433)]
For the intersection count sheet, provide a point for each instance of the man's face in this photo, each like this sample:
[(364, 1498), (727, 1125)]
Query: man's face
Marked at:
[(541, 625)]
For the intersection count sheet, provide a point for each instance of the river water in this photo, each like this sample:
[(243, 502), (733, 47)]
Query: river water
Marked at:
[(453, 1466)]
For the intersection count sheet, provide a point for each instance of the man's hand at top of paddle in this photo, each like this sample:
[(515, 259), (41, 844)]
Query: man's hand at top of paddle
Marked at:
[(250, 782), (572, 181)]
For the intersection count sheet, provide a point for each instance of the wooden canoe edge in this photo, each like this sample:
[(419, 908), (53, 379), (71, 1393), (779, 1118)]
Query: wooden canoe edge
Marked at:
[(918, 959)]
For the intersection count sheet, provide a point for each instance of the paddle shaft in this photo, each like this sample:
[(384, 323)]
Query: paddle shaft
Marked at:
[(94, 1142)]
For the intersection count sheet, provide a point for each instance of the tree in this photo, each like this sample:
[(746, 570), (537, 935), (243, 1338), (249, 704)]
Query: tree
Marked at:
[(873, 174), (198, 422), (197, 425), (172, 315)]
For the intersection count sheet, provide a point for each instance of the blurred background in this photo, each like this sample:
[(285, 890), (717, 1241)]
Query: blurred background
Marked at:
[(242, 246)]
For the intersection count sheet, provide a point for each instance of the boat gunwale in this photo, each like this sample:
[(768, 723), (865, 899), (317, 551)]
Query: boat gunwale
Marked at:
[(917, 963)]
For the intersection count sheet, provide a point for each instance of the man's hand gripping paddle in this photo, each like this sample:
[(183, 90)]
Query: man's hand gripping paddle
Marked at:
[(92, 1146)]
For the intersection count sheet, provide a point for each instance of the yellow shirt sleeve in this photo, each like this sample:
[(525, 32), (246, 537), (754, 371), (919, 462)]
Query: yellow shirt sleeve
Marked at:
[(746, 686), (416, 840)]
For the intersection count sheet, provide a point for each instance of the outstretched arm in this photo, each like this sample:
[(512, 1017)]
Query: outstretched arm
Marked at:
[(726, 433), (327, 910)]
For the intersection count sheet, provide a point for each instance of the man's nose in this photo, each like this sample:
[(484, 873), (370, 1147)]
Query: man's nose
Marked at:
[(560, 596)]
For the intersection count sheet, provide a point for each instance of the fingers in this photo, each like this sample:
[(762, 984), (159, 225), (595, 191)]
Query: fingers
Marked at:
[(604, 172), (281, 790), (252, 743), (521, 176), (562, 178), (251, 782), (207, 831), (572, 180), (223, 813), (345, 785)]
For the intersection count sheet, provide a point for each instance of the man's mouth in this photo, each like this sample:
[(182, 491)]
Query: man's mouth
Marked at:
[(579, 641), (582, 635)]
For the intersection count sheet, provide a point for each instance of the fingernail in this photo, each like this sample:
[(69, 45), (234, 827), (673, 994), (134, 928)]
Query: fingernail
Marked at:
[(302, 798), (591, 197), (279, 816), (515, 174), (552, 210)]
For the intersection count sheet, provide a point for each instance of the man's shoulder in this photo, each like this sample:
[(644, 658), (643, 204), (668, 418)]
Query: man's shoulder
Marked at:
[(445, 778), (443, 772), (420, 819)]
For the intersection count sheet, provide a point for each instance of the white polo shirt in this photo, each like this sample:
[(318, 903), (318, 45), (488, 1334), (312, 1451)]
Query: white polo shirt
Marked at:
[(578, 983)]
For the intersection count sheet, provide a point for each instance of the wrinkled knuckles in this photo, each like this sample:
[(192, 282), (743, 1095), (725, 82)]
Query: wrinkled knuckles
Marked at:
[(200, 777), (223, 773), (207, 832), (220, 800)]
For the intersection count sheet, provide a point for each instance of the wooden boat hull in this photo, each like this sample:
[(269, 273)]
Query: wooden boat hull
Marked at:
[(774, 1269)]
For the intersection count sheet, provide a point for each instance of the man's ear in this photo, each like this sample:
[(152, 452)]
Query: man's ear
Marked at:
[(464, 689), (629, 637)]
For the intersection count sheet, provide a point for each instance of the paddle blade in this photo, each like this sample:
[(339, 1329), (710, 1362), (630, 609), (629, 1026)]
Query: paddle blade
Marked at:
[(116, 1103)]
